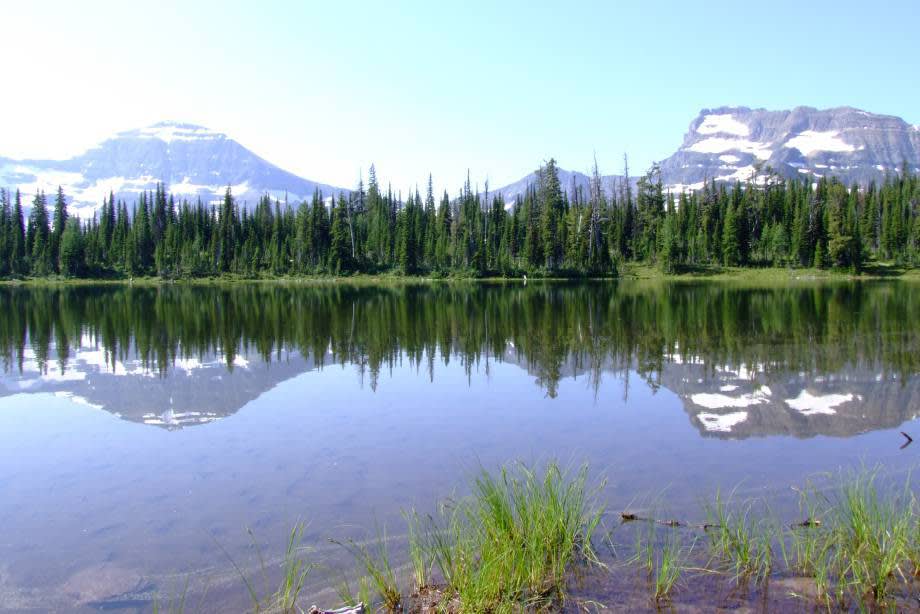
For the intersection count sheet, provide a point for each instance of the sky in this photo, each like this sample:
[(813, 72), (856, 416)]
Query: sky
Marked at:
[(324, 89)]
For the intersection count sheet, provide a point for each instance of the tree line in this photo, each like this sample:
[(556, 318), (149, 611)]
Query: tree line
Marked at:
[(547, 230), (555, 330)]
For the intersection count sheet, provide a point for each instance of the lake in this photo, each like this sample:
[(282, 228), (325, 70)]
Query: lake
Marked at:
[(145, 431)]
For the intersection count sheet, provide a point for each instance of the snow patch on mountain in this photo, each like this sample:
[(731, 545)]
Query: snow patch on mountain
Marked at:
[(719, 144), (172, 131), (31, 179), (743, 173), (812, 141), (679, 188), (723, 124)]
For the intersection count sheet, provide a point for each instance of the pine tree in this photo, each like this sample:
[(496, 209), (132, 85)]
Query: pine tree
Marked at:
[(71, 250), (731, 249), (38, 237), (58, 224), (6, 229), (552, 210), (226, 242), (669, 250), (340, 260), (18, 263)]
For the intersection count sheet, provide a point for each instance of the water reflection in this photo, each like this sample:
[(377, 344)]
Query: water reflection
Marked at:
[(835, 359), (121, 467)]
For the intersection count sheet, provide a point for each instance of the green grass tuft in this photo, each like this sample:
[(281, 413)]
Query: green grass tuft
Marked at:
[(513, 542), (374, 562), (738, 541)]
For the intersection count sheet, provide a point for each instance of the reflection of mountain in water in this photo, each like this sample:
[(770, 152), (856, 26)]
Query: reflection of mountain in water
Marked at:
[(188, 392), (749, 402), (736, 402), (171, 355)]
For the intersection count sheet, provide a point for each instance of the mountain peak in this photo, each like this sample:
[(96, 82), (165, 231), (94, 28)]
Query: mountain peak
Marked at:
[(738, 143), (169, 131), (192, 161)]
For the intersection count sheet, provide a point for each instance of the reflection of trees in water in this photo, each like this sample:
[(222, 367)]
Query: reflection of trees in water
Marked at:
[(552, 329)]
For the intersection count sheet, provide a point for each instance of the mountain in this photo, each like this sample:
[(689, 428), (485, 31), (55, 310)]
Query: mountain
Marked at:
[(732, 143), (736, 143), (725, 144), (191, 160), (570, 181)]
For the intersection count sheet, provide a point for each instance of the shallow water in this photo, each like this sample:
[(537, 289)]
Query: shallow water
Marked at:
[(142, 430)]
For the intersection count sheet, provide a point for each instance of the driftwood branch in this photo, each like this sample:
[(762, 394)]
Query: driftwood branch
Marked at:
[(356, 609), (630, 517)]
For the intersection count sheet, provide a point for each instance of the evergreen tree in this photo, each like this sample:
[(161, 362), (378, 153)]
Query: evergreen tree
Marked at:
[(38, 237), (552, 209), (58, 225), (582, 231), (6, 230), (340, 260), (731, 248), (71, 250), (18, 262)]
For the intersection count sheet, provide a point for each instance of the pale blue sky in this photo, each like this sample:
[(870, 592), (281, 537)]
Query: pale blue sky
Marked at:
[(325, 88)]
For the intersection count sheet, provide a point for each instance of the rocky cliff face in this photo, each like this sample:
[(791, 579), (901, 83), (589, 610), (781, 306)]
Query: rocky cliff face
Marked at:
[(737, 143), (731, 144)]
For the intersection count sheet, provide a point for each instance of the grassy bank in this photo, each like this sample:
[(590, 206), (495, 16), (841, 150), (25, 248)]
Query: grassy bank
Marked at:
[(541, 540), (768, 274), (628, 271)]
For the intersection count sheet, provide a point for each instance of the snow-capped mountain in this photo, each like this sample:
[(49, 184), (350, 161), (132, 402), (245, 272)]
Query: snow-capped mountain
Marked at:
[(190, 160), (732, 143), (724, 144), (736, 143)]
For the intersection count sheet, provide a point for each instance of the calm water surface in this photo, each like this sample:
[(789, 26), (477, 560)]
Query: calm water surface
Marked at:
[(142, 430)]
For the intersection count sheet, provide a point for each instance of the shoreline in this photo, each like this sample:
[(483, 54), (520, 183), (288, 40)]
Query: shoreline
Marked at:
[(629, 272)]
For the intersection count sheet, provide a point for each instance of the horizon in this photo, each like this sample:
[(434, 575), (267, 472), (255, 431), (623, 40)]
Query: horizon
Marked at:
[(419, 90)]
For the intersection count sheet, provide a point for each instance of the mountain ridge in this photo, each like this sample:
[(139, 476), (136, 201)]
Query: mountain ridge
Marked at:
[(724, 144), (190, 160)]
